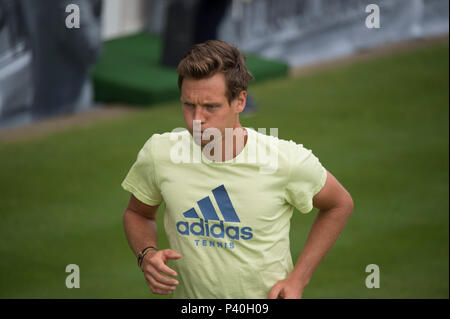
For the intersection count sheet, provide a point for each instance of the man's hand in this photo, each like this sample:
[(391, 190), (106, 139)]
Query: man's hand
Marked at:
[(286, 289), (155, 268), (139, 221)]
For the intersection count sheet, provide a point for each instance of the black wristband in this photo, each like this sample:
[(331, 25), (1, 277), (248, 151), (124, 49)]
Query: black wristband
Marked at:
[(142, 254)]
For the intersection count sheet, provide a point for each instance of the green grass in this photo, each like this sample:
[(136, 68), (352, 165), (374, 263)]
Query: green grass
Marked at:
[(380, 126)]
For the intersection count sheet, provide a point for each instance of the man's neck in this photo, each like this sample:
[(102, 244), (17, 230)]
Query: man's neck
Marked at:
[(232, 145)]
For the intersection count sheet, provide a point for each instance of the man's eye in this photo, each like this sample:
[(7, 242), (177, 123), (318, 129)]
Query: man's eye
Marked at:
[(188, 104)]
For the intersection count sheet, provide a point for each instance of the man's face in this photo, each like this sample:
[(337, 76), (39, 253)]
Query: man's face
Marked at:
[(205, 100)]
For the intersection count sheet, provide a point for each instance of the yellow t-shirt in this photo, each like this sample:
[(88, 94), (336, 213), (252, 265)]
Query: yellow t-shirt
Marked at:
[(229, 220)]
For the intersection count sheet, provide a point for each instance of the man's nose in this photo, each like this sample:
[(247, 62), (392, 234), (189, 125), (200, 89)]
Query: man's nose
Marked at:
[(198, 114)]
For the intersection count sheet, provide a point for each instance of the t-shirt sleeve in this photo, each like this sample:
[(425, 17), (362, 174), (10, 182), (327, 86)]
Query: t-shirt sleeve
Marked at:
[(141, 180), (307, 177)]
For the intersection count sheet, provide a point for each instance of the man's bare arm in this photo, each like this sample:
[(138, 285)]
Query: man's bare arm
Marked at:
[(139, 222), (335, 207)]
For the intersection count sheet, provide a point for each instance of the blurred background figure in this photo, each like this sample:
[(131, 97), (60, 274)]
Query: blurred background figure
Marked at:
[(188, 22), (209, 16), (178, 31), (62, 57)]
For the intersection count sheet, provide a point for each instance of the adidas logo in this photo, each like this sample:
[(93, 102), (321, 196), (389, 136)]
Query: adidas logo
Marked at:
[(210, 225)]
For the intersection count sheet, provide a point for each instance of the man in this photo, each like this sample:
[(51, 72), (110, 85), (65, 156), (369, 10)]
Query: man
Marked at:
[(227, 219)]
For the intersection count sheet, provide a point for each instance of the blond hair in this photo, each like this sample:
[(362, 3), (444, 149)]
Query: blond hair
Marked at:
[(205, 59)]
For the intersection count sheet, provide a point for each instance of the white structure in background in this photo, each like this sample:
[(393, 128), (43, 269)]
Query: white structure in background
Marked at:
[(16, 89), (120, 18), (301, 32), (306, 31)]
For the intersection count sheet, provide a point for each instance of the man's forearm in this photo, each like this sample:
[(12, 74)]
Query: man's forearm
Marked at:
[(140, 231), (323, 234)]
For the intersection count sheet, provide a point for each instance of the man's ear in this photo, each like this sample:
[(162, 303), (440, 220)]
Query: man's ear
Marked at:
[(240, 101)]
